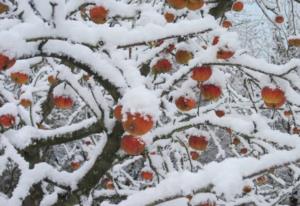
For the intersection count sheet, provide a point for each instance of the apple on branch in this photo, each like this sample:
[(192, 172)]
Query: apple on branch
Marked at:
[(198, 142), (137, 124), (273, 97), (132, 145)]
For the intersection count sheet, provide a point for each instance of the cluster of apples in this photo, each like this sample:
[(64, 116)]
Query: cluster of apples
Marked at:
[(136, 125), (6, 63), (199, 143), (223, 53), (210, 92), (189, 4)]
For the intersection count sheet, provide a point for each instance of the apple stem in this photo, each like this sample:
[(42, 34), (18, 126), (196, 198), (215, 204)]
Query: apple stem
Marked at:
[(273, 115)]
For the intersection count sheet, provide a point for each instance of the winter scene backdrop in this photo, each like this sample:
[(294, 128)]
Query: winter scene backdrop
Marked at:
[(149, 102)]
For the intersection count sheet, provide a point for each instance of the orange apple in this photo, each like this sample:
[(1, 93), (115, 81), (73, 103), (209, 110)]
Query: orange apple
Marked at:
[(3, 8), (147, 175), (118, 112), (279, 19), (216, 40), (7, 120), (177, 4), (137, 124), (224, 54), (169, 17), (247, 189), (185, 103), (194, 4), (98, 14), (63, 102), (6, 62), (183, 56), (194, 155), (132, 145), (52, 80), (237, 6), (261, 180), (219, 113), (162, 66), (227, 24), (273, 98), (19, 77), (25, 102), (198, 142), (210, 91), (294, 42), (75, 165), (108, 184), (287, 113), (236, 141), (201, 73)]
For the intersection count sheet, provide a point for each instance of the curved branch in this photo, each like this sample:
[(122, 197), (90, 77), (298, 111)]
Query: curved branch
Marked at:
[(68, 60)]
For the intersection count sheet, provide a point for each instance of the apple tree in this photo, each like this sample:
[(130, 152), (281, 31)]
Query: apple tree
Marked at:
[(143, 103)]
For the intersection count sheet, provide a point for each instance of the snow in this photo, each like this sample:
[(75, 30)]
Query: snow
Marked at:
[(42, 41), (141, 100)]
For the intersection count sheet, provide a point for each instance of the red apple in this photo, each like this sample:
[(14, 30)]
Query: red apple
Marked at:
[(147, 175), (198, 142), (194, 155), (63, 102), (244, 151), (210, 91), (216, 40), (279, 19), (75, 165), (6, 62), (219, 113), (227, 24), (224, 54), (237, 6), (137, 124), (7, 120), (207, 203), (132, 145), (201, 73), (170, 48), (273, 98), (185, 103), (98, 14), (162, 66)]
